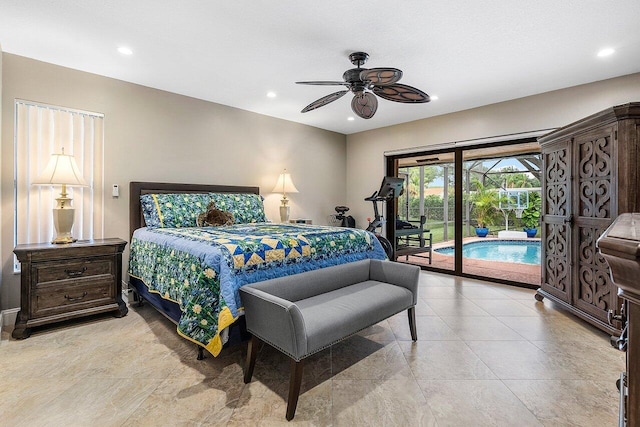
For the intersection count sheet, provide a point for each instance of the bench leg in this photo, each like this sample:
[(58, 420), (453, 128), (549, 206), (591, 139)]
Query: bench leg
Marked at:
[(412, 323), (252, 352), (294, 388)]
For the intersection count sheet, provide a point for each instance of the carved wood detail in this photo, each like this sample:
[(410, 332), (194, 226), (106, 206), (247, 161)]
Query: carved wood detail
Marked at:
[(557, 204), (556, 178), (594, 177), (556, 258), (594, 287)]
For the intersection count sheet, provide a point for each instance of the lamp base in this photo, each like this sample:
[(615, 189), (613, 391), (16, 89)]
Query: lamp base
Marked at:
[(284, 213), (59, 240), (63, 222)]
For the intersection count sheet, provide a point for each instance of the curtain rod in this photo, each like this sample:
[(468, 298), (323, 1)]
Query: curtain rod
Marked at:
[(468, 142), (58, 108)]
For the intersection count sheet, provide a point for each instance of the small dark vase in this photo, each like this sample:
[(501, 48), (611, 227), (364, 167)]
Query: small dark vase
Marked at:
[(531, 232), (482, 231)]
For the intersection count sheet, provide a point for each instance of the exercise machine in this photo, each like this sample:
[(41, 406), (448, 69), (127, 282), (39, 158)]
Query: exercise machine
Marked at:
[(391, 188), (345, 220)]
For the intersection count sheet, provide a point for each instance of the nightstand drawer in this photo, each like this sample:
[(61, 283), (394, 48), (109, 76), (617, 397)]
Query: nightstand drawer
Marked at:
[(48, 300), (81, 269)]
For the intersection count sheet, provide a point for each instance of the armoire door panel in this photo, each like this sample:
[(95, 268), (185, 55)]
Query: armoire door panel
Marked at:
[(595, 207), (556, 208), (594, 293), (595, 174), (556, 273), (557, 175)]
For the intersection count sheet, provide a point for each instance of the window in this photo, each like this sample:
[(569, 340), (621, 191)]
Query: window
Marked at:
[(40, 131)]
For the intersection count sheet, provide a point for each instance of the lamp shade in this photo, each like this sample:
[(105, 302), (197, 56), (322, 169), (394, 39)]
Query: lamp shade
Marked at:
[(285, 184), (61, 170)]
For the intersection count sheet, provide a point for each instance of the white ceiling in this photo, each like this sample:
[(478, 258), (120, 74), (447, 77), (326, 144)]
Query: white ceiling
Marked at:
[(468, 53)]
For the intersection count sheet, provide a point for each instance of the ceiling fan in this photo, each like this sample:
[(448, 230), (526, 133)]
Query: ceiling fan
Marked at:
[(362, 82)]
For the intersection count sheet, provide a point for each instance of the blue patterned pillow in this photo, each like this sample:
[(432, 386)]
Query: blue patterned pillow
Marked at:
[(246, 208), (182, 209), (173, 209)]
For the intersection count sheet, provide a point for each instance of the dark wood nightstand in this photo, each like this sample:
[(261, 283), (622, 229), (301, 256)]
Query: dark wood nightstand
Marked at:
[(61, 282)]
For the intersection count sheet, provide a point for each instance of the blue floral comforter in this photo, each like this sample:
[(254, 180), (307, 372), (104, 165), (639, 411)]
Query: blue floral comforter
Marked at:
[(202, 269)]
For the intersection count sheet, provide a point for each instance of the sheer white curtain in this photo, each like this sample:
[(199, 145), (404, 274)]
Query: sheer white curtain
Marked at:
[(42, 130)]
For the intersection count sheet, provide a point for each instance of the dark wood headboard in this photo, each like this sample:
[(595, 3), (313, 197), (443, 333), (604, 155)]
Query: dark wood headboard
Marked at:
[(136, 189)]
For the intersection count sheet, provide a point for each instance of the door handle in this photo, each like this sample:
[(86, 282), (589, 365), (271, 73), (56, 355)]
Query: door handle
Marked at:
[(75, 273), (612, 316), (84, 294)]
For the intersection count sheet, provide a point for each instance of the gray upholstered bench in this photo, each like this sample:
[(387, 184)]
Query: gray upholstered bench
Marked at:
[(308, 312)]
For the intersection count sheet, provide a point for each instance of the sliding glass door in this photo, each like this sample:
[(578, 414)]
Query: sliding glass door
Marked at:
[(427, 207), (502, 192), (472, 205)]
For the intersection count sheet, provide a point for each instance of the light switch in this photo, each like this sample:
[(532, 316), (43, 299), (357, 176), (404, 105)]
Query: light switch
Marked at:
[(116, 191)]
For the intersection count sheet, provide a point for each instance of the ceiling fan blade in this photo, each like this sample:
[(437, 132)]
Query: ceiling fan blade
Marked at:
[(324, 100), (364, 104), (320, 83), (381, 76), (401, 93)]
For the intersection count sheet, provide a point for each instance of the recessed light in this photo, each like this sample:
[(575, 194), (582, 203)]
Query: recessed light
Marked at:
[(433, 97), (271, 95), (125, 50), (350, 118), (606, 52)]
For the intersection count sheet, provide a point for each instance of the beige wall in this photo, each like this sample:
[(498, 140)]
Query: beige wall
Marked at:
[(151, 135), (365, 158)]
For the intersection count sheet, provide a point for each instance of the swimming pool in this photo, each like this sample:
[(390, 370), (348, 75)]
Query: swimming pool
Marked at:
[(522, 251)]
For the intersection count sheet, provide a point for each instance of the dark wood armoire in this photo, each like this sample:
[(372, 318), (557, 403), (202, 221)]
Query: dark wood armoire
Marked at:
[(590, 177)]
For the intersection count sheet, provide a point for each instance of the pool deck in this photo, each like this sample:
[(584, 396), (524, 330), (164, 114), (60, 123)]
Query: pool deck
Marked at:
[(513, 271)]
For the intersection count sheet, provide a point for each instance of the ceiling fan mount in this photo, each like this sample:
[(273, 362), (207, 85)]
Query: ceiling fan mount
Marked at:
[(364, 83), (358, 58)]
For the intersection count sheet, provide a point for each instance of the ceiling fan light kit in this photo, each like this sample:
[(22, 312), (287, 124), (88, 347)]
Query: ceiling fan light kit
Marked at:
[(364, 83), (364, 104)]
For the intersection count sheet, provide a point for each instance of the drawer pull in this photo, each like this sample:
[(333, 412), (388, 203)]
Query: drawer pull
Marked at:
[(84, 294), (76, 273)]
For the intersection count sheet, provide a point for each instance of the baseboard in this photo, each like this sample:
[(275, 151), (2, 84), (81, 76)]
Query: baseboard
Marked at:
[(8, 318)]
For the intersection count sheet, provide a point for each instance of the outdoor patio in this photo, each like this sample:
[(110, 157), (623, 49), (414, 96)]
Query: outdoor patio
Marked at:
[(517, 272)]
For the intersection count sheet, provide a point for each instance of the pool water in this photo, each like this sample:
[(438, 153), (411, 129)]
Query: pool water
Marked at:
[(522, 251)]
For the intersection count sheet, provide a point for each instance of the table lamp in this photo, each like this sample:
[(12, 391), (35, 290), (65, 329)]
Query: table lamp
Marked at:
[(62, 170), (284, 186)]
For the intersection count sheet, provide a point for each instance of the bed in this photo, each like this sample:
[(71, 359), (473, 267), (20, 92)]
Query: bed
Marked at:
[(192, 274)]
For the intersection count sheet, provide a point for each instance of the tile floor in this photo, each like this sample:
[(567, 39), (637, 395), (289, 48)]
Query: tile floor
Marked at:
[(486, 355)]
